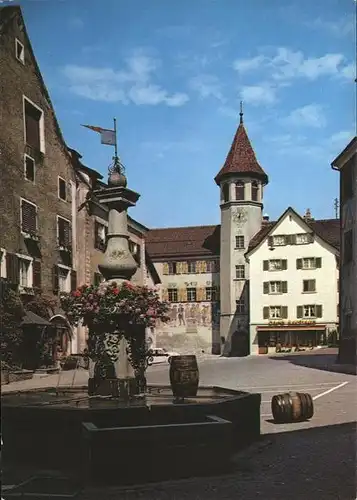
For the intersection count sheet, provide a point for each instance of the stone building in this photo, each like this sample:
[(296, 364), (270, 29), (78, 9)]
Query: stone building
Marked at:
[(213, 277), (346, 164), (38, 183)]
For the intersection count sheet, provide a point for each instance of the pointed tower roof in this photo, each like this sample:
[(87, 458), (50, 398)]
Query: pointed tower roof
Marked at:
[(241, 158)]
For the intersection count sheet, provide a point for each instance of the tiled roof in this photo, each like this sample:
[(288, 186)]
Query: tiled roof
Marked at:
[(241, 158), (194, 241), (183, 241)]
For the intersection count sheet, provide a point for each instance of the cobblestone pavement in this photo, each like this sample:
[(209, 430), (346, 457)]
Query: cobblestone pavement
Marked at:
[(314, 459)]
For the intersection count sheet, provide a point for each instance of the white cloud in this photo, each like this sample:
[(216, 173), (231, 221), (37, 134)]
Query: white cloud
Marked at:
[(344, 26), (245, 65), (287, 64), (349, 72), (264, 93), (311, 115), (207, 86), (75, 23), (131, 84)]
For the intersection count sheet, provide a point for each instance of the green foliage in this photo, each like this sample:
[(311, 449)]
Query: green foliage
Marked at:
[(11, 314), (42, 305)]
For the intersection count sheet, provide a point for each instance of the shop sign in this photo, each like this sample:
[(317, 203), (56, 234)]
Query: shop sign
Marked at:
[(302, 322)]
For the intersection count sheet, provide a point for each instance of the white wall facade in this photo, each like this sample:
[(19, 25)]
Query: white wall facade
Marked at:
[(326, 277)]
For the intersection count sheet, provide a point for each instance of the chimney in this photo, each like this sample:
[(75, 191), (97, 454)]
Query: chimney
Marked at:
[(308, 217), (266, 218)]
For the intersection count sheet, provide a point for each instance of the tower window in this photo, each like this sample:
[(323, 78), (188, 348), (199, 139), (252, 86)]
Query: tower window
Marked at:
[(226, 192), (240, 242), (255, 191), (239, 190)]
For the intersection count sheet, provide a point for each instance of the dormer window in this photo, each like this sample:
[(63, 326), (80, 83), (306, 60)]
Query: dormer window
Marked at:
[(255, 191), (239, 189), (225, 191), (19, 51)]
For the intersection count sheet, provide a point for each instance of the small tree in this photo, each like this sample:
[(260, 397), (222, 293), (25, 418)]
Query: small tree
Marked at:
[(11, 314)]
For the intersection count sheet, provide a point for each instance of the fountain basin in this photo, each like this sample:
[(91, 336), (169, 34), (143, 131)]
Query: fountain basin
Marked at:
[(57, 430)]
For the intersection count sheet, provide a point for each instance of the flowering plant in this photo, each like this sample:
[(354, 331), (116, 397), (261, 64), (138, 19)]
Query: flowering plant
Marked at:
[(113, 305)]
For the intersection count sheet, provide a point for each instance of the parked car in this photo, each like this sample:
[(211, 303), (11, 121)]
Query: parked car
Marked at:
[(161, 355)]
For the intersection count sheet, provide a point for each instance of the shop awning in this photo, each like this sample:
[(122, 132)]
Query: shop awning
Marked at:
[(290, 328), (33, 319)]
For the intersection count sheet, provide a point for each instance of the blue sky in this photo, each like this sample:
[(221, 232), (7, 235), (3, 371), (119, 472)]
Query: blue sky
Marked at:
[(173, 73)]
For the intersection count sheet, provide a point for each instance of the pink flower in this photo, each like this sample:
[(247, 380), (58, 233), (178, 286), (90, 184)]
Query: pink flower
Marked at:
[(115, 291)]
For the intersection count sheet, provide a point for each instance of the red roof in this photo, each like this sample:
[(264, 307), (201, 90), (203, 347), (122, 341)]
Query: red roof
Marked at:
[(241, 158)]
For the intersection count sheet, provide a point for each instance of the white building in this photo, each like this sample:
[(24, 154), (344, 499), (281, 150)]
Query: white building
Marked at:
[(346, 163), (293, 280)]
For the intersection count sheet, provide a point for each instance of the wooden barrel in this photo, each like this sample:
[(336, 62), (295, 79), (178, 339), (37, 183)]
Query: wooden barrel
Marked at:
[(292, 407), (184, 376)]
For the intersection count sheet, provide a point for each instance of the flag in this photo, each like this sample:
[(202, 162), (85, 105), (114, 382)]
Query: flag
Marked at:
[(107, 136)]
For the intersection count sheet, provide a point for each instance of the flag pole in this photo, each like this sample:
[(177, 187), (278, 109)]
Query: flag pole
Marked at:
[(115, 145)]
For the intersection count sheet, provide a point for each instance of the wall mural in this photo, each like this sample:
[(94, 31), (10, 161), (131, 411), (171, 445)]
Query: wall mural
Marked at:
[(193, 314)]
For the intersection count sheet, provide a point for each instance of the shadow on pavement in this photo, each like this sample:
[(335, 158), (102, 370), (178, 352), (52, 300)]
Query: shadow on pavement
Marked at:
[(318, 361)]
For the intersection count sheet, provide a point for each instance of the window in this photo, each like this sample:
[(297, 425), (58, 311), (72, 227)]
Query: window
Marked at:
[(64, 284), (240, 272), (240, 242), (28, 218), (309, 311), (303, 238), (309, 286), (24, 273), (240, 305), (100, 234), (191, 294), (308, 263), (212, 266), (210, 293), (64, 233), (275, 287), (225, 192), (19, 51), (33, 126), (172, 293), (172, 267), (255, 191), (29, 168), (347, 181), (2, 264), (62, 189), (239, 190), (191, 266), (347, 247), (275, 265), (279, 240), (275, 312)]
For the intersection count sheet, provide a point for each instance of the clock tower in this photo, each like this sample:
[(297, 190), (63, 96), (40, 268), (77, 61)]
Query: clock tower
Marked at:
[(241, 181)]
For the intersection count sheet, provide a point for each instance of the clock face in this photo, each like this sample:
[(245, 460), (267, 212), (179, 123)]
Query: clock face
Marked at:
[(240, 216)]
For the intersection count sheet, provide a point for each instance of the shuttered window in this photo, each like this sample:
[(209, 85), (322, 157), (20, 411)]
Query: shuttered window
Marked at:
[(62, 189), (64, 232), (28, 217), (191, 294), (255, 191), (32, 126), (36, 274), (12, 268), (239, 190), (172, 295)]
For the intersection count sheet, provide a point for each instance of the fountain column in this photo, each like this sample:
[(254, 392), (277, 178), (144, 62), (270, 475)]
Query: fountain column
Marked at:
[(118, 263)]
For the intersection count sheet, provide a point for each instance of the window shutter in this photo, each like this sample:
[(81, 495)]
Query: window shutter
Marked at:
[(265, 312), (265, 265), (266, 287), (165, 294), (284, 312), (73, 280), (298, 263), (96, 234), (69, 191), (299, 312), (12, 268), (28, 217), (201, 294), (184, 267), (270, 241), (284, 286), (36, 274), (179, 268), (318, 262), (319, 311), (291, 239), (217, 293), (203, 266), (284, 264), (165, 268), (182, 295), (310, 237), (55, 279)]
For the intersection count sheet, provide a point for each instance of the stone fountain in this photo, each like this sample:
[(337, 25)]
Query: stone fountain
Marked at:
[(97, 434)]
